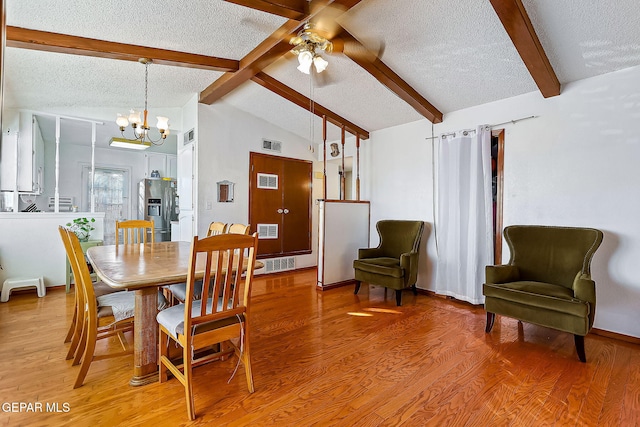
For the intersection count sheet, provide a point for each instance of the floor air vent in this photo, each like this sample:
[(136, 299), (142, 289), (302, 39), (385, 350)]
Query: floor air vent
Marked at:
[(280, 264)]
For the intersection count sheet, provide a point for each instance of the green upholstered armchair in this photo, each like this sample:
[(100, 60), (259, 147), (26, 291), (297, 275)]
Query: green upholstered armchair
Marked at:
[(547, 281), (394, 263)]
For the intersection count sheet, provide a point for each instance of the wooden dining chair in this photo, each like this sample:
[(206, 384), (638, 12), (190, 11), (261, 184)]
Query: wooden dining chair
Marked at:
[(135, 231), (238, 229), (205, 322), (97, 321), (99, 288), (216, 228), (176, 292)]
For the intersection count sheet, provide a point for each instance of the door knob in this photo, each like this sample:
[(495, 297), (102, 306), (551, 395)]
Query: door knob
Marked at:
[(280, 211), (286, 211)]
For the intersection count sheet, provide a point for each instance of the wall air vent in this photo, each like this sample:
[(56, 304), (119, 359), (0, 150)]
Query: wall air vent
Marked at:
[(189, 137), (268, 181), (267, 231), (280, 264), (269, 145)]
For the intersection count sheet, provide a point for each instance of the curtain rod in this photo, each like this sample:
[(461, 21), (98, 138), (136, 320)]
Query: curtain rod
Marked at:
[(498, 124), (514, 121)]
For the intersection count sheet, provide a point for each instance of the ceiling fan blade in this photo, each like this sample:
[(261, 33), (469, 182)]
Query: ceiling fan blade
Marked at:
[(256, 25), (369, 50), (325, 22), (290, 9)]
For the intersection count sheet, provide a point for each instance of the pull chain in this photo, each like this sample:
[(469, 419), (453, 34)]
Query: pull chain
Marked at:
[(146, 84)]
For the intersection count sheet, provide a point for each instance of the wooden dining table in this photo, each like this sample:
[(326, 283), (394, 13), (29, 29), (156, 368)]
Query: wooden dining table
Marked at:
[(143, 268)]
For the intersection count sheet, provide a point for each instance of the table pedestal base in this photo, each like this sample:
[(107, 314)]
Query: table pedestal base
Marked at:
[(144, 380), (145, 330)]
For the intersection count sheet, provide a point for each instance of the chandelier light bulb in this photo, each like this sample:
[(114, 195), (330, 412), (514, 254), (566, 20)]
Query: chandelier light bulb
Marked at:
[(163, 124), (134, 118), (122, 121)]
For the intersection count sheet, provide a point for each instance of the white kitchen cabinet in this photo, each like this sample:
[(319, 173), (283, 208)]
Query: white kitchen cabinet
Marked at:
[(186, 226), (185, 177), (23, 157), (165, 164), (186, 189), (172, 166), (155, 161), (9, 163)]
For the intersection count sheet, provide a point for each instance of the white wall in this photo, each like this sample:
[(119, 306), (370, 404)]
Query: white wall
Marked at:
[(574, 165), (226, 135), (396, 178)]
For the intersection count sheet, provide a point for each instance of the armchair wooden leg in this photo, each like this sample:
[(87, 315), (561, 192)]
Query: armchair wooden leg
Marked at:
[(491, 317), (579, 340), (398, 297), (355, 291)]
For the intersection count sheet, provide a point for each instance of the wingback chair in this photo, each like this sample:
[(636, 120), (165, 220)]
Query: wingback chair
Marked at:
[(394, 263), (547, 281)]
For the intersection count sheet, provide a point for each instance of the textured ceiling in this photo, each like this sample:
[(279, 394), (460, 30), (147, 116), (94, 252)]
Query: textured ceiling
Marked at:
[(455, 53)]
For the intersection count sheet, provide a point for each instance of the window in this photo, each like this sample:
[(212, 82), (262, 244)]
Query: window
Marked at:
[(111, 189)]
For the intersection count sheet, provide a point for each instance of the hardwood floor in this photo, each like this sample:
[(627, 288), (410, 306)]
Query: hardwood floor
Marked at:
[(332, 358)]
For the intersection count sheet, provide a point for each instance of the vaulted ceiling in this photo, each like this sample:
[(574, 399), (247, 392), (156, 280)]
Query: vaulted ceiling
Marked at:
[(439, 55)]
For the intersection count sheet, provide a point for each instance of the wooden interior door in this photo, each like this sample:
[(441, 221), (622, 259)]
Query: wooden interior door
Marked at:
[(296, 217), (280, 199)]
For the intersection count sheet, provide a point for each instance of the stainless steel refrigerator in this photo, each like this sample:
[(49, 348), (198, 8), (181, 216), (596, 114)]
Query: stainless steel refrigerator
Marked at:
[(158, 202)]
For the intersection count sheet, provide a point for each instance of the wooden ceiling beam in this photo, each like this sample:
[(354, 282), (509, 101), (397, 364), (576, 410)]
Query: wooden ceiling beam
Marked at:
[(290, 9), (267, 52), (63, 43), (368, 60), (302, 101), (516, 22)]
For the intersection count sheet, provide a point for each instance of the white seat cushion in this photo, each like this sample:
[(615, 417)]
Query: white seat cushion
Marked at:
[(172, 318)]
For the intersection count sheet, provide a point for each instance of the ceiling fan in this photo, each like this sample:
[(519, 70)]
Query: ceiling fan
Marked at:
[(323, 34), (307, 47)]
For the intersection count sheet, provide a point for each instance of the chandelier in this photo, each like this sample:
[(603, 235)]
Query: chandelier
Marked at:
[(308, 44), (139, 124)]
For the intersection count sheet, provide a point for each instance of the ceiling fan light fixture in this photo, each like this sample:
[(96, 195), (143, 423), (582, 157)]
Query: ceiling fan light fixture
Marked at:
[(320, 63), (307, 43), (305, 69), (305, 58)]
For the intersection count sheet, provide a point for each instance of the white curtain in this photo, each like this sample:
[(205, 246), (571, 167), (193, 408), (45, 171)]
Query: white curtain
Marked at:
[(464, 213)]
